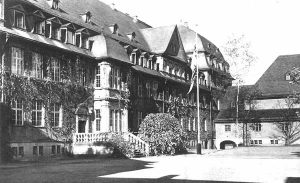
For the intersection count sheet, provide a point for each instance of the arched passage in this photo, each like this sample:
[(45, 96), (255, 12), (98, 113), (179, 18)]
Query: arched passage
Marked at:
[(227, 144)]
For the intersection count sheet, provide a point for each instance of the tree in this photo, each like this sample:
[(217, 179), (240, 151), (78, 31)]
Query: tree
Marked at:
[(162, 131), (237, 53), (289, 127)]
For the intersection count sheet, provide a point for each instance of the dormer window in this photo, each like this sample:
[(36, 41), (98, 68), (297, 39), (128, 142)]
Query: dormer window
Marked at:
[(131, 36), (19, 19), (68, 33), (134, 57), (53, 28), (40, 23), (1, 10), (115, 29), (81, 38), (55, 4), (87, 17)]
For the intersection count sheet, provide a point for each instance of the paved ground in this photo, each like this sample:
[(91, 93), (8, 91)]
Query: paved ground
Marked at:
[(268, 164)]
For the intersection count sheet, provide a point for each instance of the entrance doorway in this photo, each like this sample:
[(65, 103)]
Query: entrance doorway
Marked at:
[(81, 126)]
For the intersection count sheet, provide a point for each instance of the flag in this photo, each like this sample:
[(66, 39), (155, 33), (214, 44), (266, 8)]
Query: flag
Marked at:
[(192, 80)]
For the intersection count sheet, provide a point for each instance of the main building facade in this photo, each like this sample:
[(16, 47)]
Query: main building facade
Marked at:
[(74, 70)]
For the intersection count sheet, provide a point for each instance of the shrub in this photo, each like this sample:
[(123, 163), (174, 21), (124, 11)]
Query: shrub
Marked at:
[(164, 133), (122, 148)]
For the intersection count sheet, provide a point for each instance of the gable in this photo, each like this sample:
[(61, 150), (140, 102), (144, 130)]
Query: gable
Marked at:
[(38, 13), (18, 7), (175, 47)]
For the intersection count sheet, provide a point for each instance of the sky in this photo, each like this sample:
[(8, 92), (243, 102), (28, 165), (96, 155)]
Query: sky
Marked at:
[(272, 27)]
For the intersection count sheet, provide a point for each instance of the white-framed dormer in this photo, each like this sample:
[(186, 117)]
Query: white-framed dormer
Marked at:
[(67, 33), (131, 36), (114, 29), (54, 4), (53, 28), (288, 76), (39, 22), (18, 14), (2, 12), (86, 17), (81, 38)]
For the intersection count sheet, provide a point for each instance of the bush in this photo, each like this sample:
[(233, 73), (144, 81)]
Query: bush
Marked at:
[(122, 148), (164, 134)]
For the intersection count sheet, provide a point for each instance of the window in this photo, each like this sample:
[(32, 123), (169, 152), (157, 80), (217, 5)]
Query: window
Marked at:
[(257, 127), (98, 77), (14, 151), (154, 88), (58, 149), (37, 70), (255, 141), (54, 114), (276, 141), (21, 151), (36, 114), (55, 70), (39, 27), (260, 141), (34, 150), (115, 78), (17, 62), (133, 58), (287, 77), (53, 149), (116, 29), (148, 88), (141, 63), (17, 112), (19, 19), (272, 141), (41, 150), (140, 118), (55, 4), (140, 87), (251, 142), (1, 11), (98, 119), (205, 125), (82, 75), (115, 120), (227, 128)]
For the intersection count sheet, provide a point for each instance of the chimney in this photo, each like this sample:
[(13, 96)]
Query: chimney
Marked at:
[(113, 6), (135, 19)]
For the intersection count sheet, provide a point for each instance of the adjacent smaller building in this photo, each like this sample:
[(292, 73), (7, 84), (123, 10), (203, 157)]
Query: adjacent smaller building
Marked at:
[(264, 114)]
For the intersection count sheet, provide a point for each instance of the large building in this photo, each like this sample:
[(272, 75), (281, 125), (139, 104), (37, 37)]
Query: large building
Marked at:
[(78, 69), (273, 117)]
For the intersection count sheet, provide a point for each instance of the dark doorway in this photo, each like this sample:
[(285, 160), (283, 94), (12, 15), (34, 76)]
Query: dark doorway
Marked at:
[(81, 126), (227, 144)]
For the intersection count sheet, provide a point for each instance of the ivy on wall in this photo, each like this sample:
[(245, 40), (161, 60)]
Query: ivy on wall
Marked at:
[(69, 93)]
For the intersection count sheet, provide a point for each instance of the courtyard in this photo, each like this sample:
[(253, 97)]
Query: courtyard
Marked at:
[(252, 164)]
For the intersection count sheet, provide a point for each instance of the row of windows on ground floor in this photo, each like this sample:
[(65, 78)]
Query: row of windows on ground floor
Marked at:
[(257, 142), (19, 152)]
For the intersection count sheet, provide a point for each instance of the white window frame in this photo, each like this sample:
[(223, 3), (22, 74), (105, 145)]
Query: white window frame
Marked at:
[(98, 77), (227, 128), (205, 125), (115, 120), (115, 77), (35, 111), (17, 61), (55, 69), (16, 109), (98, 120), (37, 61), (16, 22), (56, 111)]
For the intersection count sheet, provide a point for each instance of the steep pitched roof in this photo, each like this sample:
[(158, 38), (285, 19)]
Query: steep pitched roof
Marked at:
[(161, 39), (273, 81), (105, 47), (103, 16)]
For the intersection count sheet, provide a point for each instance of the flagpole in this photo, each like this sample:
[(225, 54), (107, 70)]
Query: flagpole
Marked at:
[(198, 97)]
